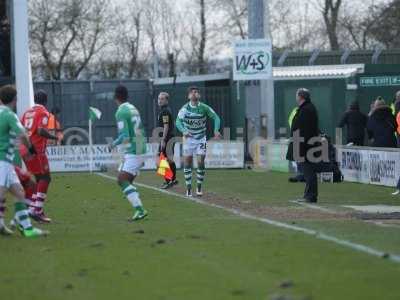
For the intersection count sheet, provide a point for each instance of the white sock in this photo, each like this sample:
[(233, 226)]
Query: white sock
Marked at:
[(134, 199)]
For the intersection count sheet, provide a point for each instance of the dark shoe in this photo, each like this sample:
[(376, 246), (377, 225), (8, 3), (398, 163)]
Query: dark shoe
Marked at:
[(293, 179), (301, 178), (165, 185), (173, 182), (312, 200), (306, 200)]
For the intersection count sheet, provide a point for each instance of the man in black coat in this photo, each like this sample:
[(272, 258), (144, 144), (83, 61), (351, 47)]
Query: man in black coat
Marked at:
[(355, 122), (382, 126), (304, 138)]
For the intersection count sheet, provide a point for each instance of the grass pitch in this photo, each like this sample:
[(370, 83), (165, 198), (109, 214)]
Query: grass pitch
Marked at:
[(185, 250)]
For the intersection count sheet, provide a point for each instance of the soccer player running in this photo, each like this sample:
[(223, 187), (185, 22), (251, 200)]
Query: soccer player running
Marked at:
[(36, 121), (132, 138), (29, 186), (11, 130), (192, 123), (166, 122)]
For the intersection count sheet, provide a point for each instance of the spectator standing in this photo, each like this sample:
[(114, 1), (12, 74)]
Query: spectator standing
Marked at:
[(397, 114), (5, 47), (355, 122), (305, 128), (381, 126)]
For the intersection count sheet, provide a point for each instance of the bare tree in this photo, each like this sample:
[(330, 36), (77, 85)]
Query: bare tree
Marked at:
[(171, 33), (296, 25), (194, 39), (355, 23), (203, 38), (152, 16), (67, 34), (129, 37), (330, 12), (232, 18), (386, 29)]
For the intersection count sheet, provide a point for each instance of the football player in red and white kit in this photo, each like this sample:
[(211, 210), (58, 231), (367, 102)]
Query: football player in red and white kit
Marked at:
[(36, 121), (28, 184)]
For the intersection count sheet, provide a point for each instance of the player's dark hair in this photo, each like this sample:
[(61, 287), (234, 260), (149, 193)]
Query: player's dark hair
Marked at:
[(192, 88), (7, 94), (304, 93), (121, 93), (40, 97)]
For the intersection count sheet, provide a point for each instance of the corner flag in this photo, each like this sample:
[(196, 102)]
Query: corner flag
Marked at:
[(94, 113), (164, 168)]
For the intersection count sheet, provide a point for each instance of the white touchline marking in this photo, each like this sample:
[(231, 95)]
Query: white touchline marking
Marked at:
[(375, 209), (381, 224), (314, 206), (327, 210), (318, 235)]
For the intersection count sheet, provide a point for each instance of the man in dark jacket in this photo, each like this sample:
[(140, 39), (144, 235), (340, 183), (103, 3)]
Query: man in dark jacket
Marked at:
[(381, 126), (166, 122), (304, 133), (355, 122)]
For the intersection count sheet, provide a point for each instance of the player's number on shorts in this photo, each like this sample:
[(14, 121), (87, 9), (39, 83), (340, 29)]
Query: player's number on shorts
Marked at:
[(203, 146)]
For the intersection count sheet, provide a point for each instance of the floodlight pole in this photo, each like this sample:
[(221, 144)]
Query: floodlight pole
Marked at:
[(260, 108), (23, 72)]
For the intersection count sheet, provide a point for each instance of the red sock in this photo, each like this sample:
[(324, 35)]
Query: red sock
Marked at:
[(30, 191), (41, 194)]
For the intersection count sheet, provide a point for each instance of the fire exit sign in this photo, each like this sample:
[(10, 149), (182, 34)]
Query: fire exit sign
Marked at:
[(380, 81)]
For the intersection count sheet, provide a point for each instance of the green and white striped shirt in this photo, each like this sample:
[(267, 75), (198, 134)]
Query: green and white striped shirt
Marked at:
[(193, 120), (10, 129)]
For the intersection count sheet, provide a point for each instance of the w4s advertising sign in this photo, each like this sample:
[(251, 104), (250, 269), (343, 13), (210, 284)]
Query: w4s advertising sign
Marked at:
[(253, 60)]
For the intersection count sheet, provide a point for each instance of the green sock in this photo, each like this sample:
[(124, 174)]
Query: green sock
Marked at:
[(188, 177), (200, 176), (22, 216), (140, 209)]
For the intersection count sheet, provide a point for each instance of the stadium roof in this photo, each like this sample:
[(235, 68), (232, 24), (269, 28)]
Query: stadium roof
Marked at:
[(281, 73), (317, 72)]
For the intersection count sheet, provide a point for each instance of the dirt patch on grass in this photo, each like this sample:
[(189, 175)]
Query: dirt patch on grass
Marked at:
[(280, 213)]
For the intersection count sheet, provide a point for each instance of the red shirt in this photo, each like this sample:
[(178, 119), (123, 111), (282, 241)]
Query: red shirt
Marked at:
[(33, 119)]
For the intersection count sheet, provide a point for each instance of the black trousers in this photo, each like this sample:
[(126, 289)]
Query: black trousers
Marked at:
[(398, 184), (310, 171)]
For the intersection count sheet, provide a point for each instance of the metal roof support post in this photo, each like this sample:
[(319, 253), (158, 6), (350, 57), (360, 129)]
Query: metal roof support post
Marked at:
[(345, 56), (377, 52), (283, 57), (314, 56)]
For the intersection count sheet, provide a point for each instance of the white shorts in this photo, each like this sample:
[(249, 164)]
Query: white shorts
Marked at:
[(8, 177), (192, 146), (132, 164)]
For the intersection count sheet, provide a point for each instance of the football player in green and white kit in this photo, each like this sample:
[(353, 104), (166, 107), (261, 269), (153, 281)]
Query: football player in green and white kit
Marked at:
[(132, 138), (192, 123), (11, 130)]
